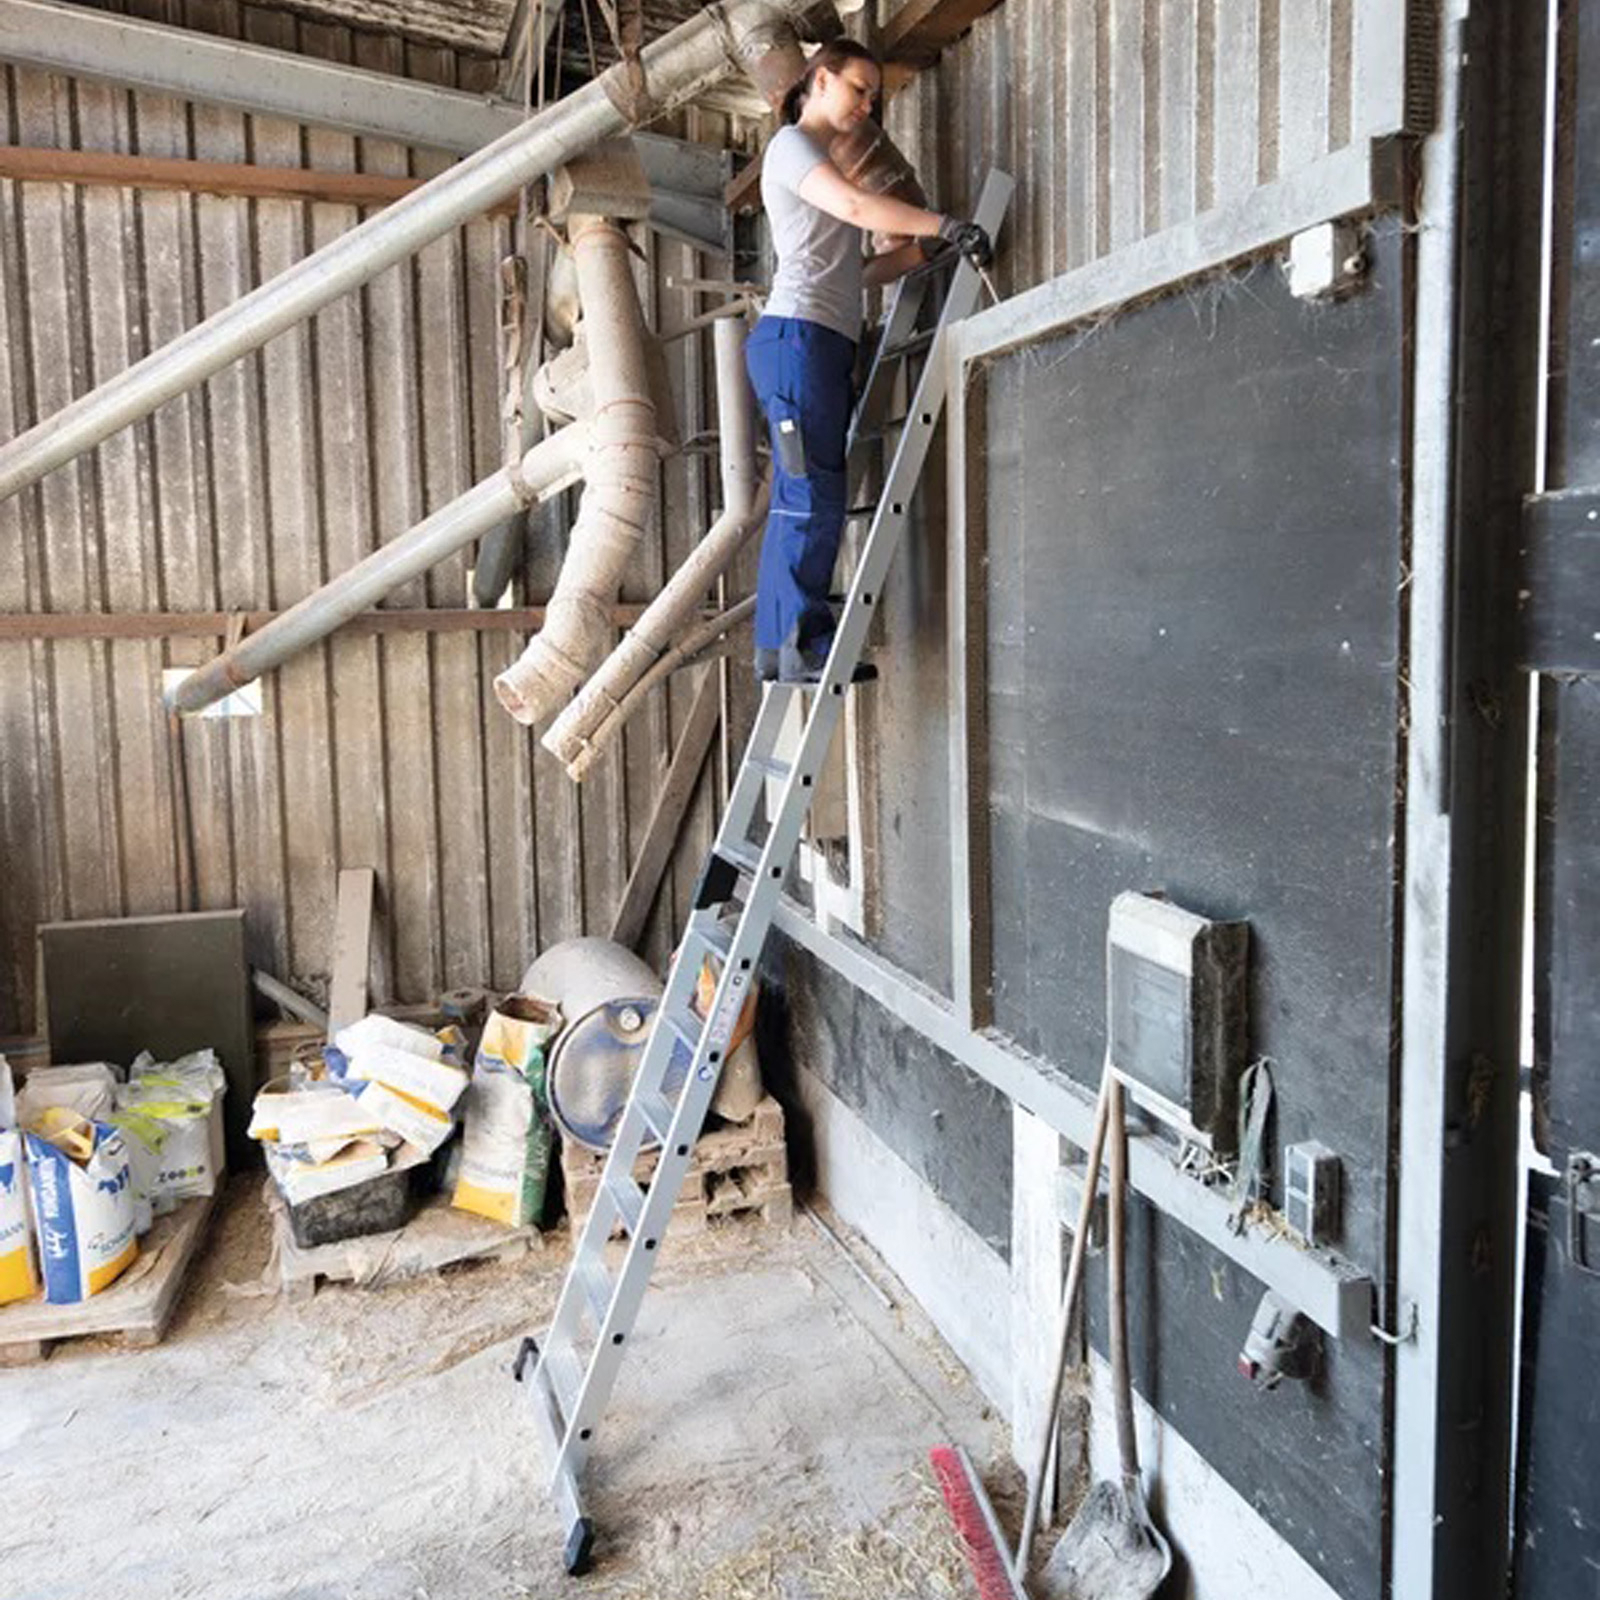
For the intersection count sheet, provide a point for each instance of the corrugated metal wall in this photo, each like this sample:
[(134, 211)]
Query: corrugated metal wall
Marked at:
[(1122, 117), (387, 751)]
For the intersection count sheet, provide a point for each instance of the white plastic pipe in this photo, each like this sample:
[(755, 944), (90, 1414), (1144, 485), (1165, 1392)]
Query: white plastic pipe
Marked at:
[(622, 490), (550, 466), (720, 39), (590, 721)]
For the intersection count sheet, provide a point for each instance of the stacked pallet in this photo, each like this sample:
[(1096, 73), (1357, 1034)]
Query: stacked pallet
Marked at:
[(733, 1170)]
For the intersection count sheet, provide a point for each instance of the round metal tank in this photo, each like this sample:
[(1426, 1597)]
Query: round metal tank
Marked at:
[(608, 999)]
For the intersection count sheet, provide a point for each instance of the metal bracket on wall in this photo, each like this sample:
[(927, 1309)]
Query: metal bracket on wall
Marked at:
[(1583, 1212), (1560, 572), (1333, 1292)]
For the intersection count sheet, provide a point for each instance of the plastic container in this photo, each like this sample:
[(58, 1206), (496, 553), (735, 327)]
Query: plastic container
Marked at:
[(375, 1205)]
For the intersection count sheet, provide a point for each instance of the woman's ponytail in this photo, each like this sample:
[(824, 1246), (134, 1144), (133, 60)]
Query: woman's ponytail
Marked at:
[(832, 55)]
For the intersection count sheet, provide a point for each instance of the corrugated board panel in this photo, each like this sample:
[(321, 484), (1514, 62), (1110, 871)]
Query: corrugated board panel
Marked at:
[(284, 469), (1122, 117)]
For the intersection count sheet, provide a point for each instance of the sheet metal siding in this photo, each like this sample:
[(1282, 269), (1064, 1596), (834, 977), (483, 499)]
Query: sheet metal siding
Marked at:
[(285, 469), (1122, 117)]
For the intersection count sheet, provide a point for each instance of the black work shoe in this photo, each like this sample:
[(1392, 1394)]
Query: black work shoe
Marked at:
[(810, 677)]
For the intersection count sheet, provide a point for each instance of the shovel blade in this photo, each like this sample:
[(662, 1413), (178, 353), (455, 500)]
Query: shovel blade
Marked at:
[(1110, 1551)]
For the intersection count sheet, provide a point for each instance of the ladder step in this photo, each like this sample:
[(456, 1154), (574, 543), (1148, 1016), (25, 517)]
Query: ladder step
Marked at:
[(656, 1110), (717, 937), (595, 1282), (906, 347), (771, 766), (628, 1198), (746, 857), (565, 1372), (686, 1026)]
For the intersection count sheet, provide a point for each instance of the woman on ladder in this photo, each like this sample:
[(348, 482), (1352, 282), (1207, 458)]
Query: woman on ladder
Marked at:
[(801, 354)]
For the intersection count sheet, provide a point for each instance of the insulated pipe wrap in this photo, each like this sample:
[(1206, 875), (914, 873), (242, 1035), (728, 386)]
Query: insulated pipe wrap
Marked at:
[(677, 66), (590, 721), (621, 493), (481, 508)]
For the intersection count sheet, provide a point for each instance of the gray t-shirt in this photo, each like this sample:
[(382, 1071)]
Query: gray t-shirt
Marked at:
[(819, 257)]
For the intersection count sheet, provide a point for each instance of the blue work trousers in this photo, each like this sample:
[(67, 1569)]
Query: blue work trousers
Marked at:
[(802, 374)]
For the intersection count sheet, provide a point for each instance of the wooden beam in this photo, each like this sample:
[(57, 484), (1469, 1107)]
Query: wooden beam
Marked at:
[(920, 29), (31, 625), (352, 948), (666, 820), (234, 179)]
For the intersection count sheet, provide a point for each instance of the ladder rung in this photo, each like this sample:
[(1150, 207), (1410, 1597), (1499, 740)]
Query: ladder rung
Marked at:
[(565, 1372), (717, 937), (906, 347), (771, 766), (686, 1025), (746, 857), (595, 1282), (656, 1110), (628, 1198)]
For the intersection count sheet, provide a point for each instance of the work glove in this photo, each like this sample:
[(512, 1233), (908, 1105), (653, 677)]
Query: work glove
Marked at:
[(969, 238)]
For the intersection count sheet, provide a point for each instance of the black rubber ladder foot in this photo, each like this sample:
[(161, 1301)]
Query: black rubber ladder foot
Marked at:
[(580, 1547)]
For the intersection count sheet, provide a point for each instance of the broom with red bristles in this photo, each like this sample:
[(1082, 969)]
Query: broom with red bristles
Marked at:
[(974, 1518)]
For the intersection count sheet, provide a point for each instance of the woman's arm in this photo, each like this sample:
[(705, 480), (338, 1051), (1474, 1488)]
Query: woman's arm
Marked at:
[(888, 265), (826, 188)]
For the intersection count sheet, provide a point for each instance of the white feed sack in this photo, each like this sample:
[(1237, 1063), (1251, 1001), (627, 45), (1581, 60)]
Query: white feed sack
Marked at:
[(378, 1031), (83, 1210), (87, 1087), (432, 1084)]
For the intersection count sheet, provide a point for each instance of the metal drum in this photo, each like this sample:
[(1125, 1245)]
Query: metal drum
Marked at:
[(608, 999)]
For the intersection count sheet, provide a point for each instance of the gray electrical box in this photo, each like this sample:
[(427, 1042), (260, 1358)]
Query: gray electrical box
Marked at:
[(1311, 1191), (1176, 1019)]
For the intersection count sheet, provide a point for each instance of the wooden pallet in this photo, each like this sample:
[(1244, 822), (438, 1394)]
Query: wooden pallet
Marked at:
[(135, 1309), (735, 1169), (438, 1236)]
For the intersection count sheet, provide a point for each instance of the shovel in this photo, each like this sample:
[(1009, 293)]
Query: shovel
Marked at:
[(1112, 1550)]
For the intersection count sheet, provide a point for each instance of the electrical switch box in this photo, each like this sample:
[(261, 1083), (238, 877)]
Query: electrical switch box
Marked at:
[(1176, 1023), (1311, 1191)]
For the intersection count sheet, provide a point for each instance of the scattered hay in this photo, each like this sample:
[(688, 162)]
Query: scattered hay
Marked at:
[(912, 1554)]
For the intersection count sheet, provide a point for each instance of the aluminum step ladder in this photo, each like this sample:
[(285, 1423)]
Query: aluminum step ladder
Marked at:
[(669, 1099)]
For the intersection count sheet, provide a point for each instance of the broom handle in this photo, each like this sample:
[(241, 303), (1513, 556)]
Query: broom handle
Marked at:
[(1069, 1301), (1117, 1290)]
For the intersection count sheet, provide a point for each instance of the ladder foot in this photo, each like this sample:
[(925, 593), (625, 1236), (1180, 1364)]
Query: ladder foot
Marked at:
[(580, 1545), (527, 1351)]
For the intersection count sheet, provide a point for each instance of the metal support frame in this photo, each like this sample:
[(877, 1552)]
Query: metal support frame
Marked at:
[(687, 179), (1472, 459), (1333, 1292)]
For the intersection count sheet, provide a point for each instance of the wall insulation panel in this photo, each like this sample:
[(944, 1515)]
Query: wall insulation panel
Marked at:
[(1194, 575), (1117, 118), (284, 469)]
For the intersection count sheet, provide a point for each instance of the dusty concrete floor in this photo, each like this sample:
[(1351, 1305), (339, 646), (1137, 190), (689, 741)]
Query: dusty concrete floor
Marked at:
[(768, 1440)]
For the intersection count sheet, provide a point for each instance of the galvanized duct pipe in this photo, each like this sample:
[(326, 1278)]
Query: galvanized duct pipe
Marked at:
[(573, 738), (551, 465), (622, 488), (676, 67)]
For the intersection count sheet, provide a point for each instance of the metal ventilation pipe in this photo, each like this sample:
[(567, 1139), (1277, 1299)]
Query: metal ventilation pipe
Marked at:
[(575, 737), (622, 489), (550, 466), (676, 67)]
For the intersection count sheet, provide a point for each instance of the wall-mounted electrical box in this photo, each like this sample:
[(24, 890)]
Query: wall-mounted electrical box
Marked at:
[(1311, 1191), (1176, 1022)]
